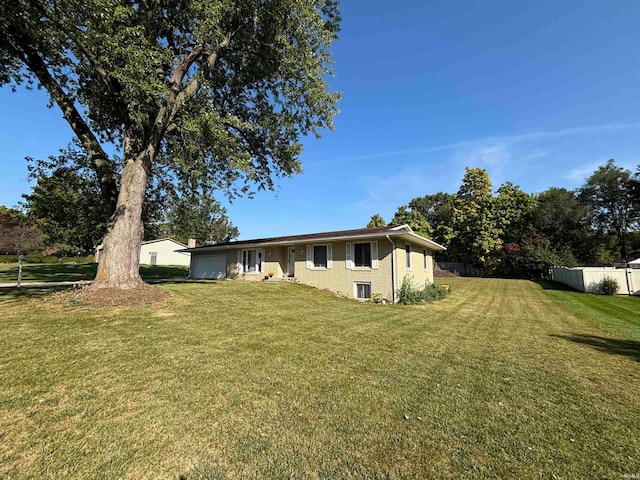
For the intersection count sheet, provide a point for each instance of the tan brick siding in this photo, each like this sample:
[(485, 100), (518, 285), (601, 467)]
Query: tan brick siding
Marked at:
[(341, 279), (417, 272)]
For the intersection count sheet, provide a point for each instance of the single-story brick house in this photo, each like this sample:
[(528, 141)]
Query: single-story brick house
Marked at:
[(359, 263)]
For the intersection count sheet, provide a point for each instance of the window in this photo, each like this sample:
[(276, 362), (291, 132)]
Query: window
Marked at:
[(363, 290), (362, 254), (426, 259), (408, 250), (252, 261), (319, 256)]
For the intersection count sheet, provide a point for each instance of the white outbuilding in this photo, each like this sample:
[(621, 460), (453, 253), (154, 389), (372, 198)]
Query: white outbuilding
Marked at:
[(162, 251)]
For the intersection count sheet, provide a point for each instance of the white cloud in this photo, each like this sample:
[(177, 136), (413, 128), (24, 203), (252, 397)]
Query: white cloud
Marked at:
[(487, 142), (580, 174), (535, 161)]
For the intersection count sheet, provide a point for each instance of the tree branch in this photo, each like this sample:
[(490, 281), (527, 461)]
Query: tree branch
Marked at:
[(192, 87), (177, 96), (102, 165), (73, 36)]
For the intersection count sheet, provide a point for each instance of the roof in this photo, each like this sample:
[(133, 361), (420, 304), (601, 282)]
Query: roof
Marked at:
[(399, 231), (162, 240)]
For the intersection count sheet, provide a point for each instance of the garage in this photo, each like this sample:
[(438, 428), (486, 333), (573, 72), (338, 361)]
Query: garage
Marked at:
[(210, 266)]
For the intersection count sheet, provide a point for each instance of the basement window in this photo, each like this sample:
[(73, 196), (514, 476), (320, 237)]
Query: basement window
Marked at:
[(363, 290)]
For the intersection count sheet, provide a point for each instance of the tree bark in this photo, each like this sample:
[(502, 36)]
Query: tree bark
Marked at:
[(120, 260)]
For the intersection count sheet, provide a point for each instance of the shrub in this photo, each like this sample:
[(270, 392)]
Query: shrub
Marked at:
[(37, 258), (377, 298), (433, 292), (410, 295), (8, 259), (608, 286)]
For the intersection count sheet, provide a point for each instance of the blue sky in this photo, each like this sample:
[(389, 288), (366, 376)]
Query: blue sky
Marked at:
[(537, 93)]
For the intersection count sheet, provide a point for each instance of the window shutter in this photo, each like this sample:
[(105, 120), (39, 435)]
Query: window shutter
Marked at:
[(349, 256), (329, 256), (262, 254), (374, 254), (309, 256), (239, 262), (426, 258)]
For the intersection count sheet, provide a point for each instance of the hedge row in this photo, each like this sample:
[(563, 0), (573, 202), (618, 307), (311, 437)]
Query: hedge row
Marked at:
[(46, 259)]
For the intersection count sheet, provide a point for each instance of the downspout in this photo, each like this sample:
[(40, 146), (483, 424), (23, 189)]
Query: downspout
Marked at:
[(393, 269)]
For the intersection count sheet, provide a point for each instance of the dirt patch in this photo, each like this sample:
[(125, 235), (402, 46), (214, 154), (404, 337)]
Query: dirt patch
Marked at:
[(140, 296)]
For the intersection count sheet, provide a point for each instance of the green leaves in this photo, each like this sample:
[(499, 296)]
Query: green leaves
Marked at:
[(477, 237), (608, 192), (406, 215), (376, 221), (196, 214), (228, 87), (64, 205)]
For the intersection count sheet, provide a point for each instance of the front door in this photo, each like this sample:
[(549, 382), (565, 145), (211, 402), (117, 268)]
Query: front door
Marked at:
[(292, 262)]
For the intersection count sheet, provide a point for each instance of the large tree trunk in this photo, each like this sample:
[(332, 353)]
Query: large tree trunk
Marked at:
[(120, 259)]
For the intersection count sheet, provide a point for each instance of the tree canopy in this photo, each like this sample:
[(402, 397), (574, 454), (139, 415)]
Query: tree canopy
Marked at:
[(608, 191), (17, 234), (405, 215), (519, 234), (219, 91), (476, 230), (376, 220), (199, 216)]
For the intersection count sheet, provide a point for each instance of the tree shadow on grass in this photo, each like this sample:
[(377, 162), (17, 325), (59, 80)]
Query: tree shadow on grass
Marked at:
[(553, 285), (51, 272), (615, 346), (14, 293)]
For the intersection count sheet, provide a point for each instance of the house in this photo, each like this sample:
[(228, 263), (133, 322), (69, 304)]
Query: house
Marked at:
[(163, 251), (359, 263)]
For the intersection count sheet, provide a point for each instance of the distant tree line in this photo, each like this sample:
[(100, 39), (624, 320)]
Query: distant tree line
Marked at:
[(514, 233), (64, 215)]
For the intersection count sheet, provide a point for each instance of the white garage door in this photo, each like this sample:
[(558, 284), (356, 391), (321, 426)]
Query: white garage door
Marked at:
[(210, 266)]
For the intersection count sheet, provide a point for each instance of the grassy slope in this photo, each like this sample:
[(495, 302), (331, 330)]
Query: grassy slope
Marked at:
[(279, 381), (59, 272)]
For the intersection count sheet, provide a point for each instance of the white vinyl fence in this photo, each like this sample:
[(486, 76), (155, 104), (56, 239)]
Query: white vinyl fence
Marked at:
[(586, 279)]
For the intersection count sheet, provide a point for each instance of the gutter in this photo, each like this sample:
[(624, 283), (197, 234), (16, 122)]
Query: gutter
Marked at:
[(306, 241), (285, 243), (393, 269)]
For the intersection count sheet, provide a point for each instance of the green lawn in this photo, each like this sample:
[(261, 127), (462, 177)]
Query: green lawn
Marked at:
[(503, 379), (59, 272)]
